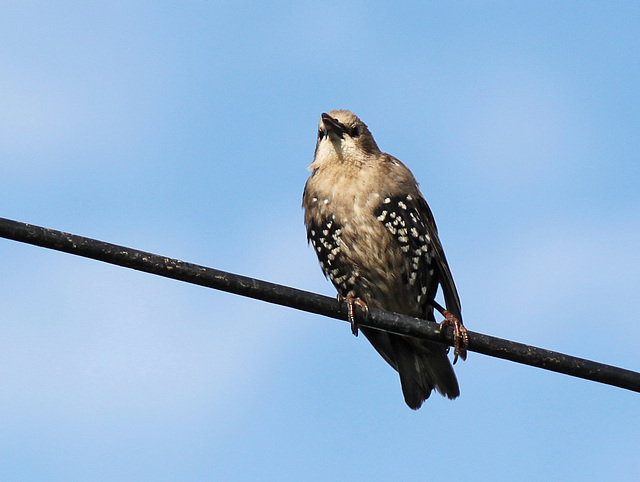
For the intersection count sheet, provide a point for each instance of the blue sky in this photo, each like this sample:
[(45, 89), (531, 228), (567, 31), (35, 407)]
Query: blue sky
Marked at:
[(186, 128)]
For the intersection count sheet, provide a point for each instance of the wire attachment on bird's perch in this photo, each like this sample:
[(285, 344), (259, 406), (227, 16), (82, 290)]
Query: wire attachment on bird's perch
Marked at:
[(460, 333), (351, 301)]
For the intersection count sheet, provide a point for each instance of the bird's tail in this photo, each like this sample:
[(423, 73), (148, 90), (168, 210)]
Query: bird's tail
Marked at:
[(423, 365)]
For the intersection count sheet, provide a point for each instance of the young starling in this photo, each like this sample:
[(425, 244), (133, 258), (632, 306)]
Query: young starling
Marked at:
[(377, 242)]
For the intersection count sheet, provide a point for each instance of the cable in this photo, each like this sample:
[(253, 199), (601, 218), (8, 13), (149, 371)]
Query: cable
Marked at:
[(314, 303)]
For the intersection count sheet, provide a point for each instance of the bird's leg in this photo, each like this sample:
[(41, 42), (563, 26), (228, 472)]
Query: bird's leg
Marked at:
[(351, 315), (460, 334)]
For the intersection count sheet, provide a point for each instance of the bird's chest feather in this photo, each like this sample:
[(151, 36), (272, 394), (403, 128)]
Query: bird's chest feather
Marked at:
[(355, 249)]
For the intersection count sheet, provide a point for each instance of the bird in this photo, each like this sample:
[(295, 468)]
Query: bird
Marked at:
[(377, 242)]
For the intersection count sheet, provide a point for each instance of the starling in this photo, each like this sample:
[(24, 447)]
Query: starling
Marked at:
[(377, 242)]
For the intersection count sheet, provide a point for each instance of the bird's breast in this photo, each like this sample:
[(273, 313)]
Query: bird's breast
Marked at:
[(362, 256)]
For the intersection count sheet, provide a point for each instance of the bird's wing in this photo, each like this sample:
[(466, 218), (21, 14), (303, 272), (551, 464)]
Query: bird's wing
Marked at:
[(449, 291)]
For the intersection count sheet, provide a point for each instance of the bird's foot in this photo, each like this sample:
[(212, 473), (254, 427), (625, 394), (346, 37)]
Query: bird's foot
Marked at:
[(351, 315), (460, 335)]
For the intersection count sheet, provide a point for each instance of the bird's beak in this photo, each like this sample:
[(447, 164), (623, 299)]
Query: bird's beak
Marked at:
[(332, 125)]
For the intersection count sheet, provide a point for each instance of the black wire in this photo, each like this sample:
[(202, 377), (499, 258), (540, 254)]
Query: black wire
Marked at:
[(314, 303)]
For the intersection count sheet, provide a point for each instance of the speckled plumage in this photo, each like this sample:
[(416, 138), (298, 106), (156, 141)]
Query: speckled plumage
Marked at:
[(376, 240)]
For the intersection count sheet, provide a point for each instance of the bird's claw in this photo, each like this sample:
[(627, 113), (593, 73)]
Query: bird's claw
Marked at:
[(460, 335), (351, 315)]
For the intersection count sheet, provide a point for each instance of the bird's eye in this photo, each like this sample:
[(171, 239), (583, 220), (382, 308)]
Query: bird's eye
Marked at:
[(355, 131), (320, 133)]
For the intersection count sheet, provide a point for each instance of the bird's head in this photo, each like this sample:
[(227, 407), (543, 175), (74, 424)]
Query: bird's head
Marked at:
[(342, 136)]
